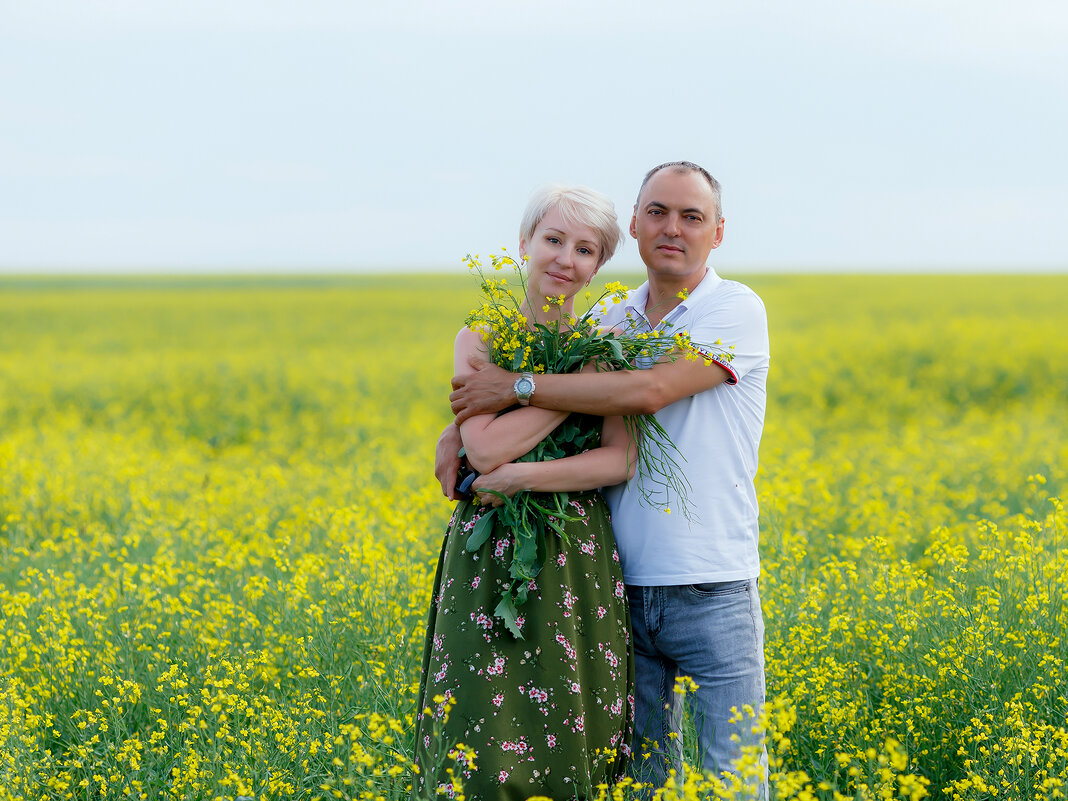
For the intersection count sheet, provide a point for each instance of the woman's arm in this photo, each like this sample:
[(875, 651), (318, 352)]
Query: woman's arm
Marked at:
[(611, 463), (489, 440)]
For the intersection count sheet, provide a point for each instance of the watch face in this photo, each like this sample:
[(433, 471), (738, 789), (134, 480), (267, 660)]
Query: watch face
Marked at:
[(524, 386)]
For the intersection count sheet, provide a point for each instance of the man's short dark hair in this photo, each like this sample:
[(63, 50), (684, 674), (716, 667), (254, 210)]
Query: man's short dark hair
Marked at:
[(688, 166)]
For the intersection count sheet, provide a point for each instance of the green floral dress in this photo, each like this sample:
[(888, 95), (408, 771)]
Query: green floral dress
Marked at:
[(550, 714)]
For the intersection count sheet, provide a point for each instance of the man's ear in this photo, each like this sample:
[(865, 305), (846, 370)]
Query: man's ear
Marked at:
[(719, 233), (634, 222)]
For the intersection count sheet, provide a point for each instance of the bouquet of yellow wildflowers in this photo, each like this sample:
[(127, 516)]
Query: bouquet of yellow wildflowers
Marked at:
[(519, 344)]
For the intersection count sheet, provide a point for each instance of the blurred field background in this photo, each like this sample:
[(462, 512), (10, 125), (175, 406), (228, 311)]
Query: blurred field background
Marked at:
[(218, 527)]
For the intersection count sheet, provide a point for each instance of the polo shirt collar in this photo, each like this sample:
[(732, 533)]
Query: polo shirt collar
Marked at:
[(638, 299)]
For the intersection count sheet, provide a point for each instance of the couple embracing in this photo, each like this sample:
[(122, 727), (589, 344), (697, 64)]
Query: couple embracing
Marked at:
[(586, 693)]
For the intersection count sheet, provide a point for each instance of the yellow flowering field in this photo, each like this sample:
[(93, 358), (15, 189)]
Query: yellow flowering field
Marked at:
[(218, 527)]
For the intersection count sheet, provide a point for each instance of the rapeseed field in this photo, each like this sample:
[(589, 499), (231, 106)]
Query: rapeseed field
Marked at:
[(219, 524)]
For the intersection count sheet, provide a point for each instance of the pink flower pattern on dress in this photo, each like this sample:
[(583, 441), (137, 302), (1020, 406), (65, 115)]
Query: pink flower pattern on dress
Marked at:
[(528, 711)]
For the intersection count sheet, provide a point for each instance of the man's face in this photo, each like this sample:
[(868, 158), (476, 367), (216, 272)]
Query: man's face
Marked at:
[(676, 224)]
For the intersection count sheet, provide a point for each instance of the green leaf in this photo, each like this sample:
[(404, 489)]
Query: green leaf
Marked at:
[(524, 559), (506, 611), (573, 361), (480, 533), (519, 593)]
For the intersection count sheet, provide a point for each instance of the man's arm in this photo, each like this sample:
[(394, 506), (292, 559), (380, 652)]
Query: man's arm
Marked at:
[(447, 460), (622, 392), (490, 441)]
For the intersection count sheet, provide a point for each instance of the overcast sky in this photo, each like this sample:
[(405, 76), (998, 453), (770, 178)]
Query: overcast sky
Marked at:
[(326, 135)]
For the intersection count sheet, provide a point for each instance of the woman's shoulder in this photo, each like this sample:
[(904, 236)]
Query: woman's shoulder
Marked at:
[(471, 340), (479, 332)]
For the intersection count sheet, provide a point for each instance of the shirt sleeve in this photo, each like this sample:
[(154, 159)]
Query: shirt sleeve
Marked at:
[(737, 321)]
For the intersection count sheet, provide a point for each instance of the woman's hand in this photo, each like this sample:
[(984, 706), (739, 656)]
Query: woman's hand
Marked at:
[(508, 479)]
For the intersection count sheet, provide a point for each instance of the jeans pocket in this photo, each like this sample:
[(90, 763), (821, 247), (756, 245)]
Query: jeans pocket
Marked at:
[(713, 589)]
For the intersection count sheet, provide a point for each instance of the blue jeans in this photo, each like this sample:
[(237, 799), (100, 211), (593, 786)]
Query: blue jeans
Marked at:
[(713, 633)]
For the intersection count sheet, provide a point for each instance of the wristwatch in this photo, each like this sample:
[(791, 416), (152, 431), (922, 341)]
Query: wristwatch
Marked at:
[(524, 388)]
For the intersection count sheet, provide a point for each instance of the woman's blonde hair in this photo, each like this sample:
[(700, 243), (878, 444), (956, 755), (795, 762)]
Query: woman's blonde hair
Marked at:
[(578, 205)]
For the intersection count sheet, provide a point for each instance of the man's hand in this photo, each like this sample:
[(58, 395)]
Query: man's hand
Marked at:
[(447, 459), (487, 390)]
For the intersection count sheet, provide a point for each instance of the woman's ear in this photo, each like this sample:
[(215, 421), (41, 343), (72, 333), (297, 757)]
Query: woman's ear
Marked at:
[(522, 247)]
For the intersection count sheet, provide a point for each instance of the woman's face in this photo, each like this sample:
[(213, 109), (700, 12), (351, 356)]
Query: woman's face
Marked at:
[(562, 257)]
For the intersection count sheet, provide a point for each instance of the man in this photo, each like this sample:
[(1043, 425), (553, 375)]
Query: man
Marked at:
[(692, 584)]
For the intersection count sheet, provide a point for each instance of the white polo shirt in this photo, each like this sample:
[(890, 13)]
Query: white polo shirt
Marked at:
[(718, 434)]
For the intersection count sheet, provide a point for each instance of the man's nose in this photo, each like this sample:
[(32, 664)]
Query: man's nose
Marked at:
[(672, 227)]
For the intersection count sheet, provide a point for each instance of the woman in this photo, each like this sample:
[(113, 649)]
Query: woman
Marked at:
[(549, 714)]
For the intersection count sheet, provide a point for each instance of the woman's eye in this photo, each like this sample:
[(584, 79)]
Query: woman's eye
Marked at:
[(552, 239), (585, 251)]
